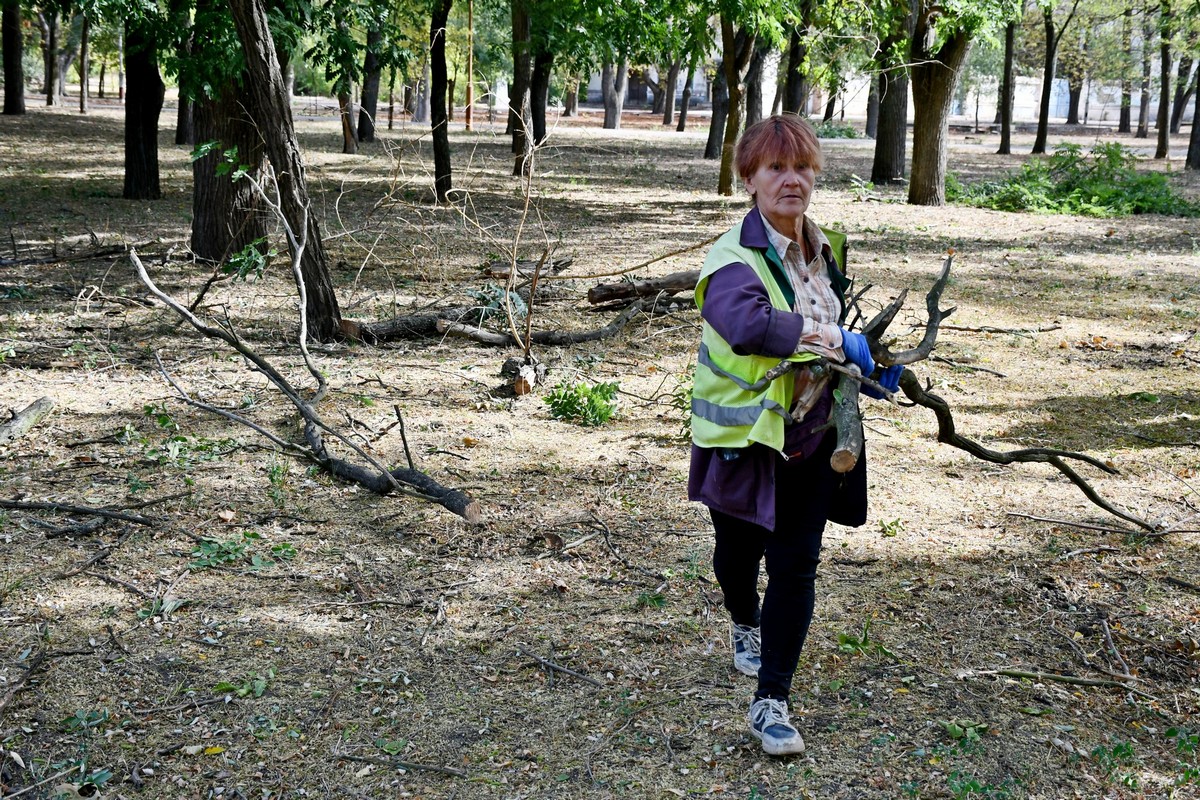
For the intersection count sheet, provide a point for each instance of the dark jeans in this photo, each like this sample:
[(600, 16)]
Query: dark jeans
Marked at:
[(792, 552)]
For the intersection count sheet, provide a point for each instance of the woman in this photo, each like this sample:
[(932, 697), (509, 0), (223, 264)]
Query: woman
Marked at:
[(772, 288)]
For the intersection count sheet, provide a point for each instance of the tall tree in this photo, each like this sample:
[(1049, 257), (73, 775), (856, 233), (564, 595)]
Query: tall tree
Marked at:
[(372, 72), (897, 21), (1185, 84), (1193, 152), (14, 71), (737, 48), (518, 93), (439, 118), (1143, 126), (267, 98), (796, 86), (143, 105), (720, 113), (48, 17), (754, 82), (1054, 33), (1164, 89), (1006, 89), (1124, 122)]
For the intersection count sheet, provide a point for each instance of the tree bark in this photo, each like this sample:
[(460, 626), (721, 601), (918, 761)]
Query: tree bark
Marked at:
[(1164, 90), (1185, 84), (346, 115), (1074, 96), (614, 84), (49, 23), (720, 112), (672, 81), (142, 109), (871, 128), (227, 215), (267, 99), (1039, 141), (754, 84), (369, 101), (1193, 153), (14, 71), (1143, 126), (686, 99), (84, 65), (738, 49), (795, 87), (934, 75), (539, 91), (439, 115), (518, 94), (1124, 120), (1006, 90)]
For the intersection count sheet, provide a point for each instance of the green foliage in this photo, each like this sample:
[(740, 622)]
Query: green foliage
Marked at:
[(1186, 746), (828, 129), (84, 720), (162, 418), (1103, 183), (651, 600), (393, 747), (587, 404), (214, 553), (253, 686), (160, 607), (249, 263), (963, 729), (277, 472), (963, 787), (493, 301), (892, 528), (1116, 761), (862, 645)]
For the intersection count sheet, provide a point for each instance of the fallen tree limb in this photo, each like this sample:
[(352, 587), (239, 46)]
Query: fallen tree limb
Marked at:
[(70, 509), (625, 290), (543, 337), (379, 479), (24, 420)]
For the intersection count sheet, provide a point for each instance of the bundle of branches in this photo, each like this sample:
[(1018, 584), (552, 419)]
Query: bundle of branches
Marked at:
[(848, 420)]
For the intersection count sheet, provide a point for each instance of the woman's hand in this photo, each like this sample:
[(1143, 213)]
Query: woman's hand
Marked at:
[(858, 351), (890, 380)]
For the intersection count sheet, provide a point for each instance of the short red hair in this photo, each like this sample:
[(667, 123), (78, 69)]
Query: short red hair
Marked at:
[(786, 138)]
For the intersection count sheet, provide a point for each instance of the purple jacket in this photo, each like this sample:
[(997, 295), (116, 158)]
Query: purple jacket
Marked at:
[(736, 305)]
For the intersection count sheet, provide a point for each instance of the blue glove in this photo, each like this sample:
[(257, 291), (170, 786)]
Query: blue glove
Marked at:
[(890, 380), (858, 351)]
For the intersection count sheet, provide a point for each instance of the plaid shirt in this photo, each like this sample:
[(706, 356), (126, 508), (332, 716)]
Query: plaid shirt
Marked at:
[(816, 301)]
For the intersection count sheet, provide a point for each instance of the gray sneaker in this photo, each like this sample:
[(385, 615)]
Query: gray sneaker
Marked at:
[(769, 724), (747, 649)]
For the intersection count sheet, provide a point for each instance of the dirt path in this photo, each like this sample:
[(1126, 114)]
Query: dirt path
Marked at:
[(318, 632)]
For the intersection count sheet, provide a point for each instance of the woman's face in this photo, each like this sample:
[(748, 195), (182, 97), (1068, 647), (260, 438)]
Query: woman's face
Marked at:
[(782, 192)]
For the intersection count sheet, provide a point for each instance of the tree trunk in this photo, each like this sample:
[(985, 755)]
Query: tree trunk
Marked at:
[(831, 104), (672, 82), (100, 81), (614, 85), (1006, 90), (1043, 128), (892, 135), (369, 102), (518, 94), (657, 90), (934, 76), (421, 112), (185, 121), (754, 84), (14, 71), (871, 128), (1124, 121), (1143, 126), (720, 112), (437, 95), (891, 140), (84, 66), (571, 97), (1184, 85), (1164, 89), (686, 99), (539, 92), (346, 114), (738, 49), (795, 87), (227, 215), (267, 100), (50, 54), (121, 63), (1193, 152), (142, 109), (1074, 95)]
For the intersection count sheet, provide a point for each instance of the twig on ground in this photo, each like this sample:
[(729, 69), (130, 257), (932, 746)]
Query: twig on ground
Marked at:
[(550, 665), (395, 763), (439, 616), (1182, 584), (71, 509)]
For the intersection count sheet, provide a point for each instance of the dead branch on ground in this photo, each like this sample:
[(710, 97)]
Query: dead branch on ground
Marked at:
[(377, 478), (25, 420)]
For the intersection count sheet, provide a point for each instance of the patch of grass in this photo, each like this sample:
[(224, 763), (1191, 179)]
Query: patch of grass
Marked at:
[(862, 644), (253, 686), (836, 130), (1105, 182)]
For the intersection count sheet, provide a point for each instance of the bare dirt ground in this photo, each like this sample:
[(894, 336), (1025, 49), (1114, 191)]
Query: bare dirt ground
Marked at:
[(273, 633)]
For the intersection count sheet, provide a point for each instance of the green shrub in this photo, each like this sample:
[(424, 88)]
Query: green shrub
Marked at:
[(836, 130), (585, 403), (1102, 183)]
